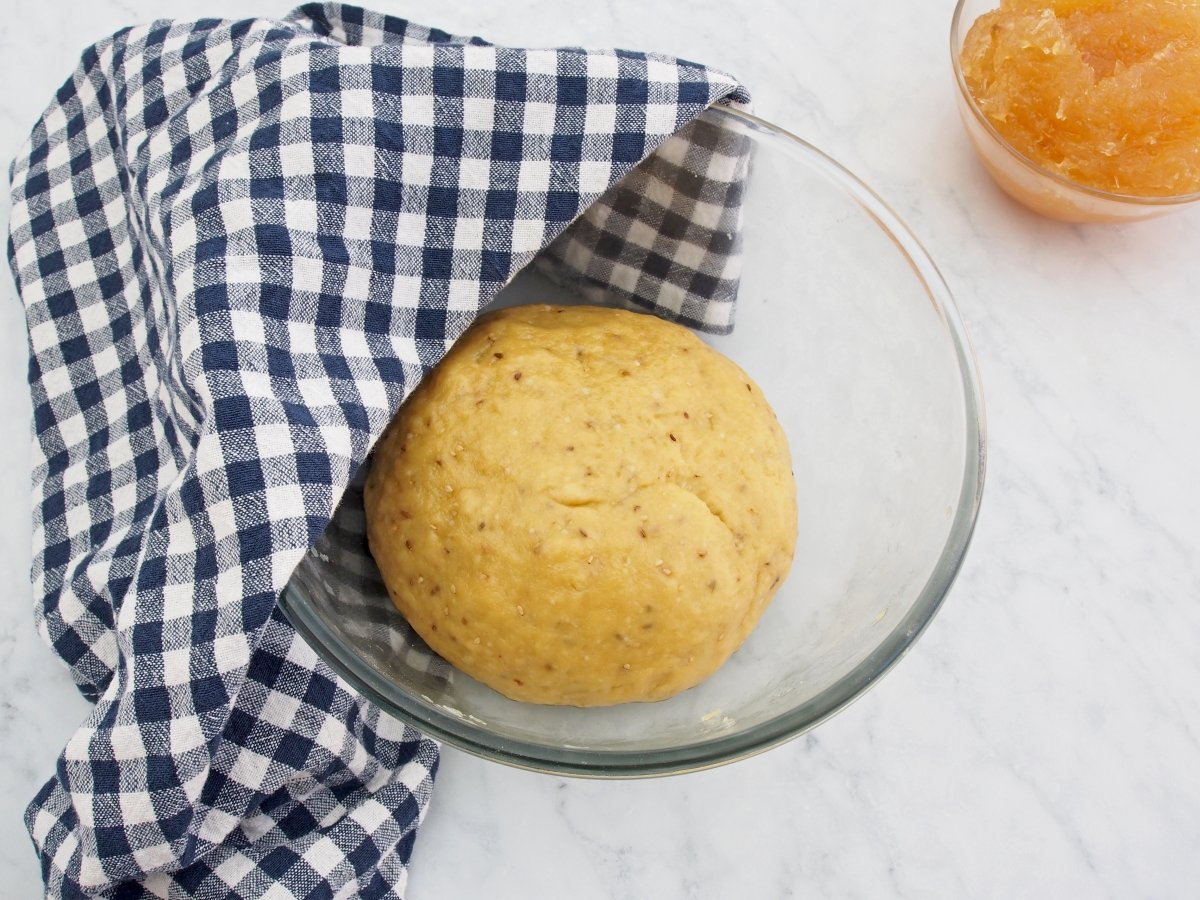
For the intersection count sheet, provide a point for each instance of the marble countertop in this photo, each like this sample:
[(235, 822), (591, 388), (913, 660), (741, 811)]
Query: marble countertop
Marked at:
[(1043, 737)]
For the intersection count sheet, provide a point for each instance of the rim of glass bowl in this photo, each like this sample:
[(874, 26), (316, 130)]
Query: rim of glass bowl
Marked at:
[(617, 763), (957, 35)]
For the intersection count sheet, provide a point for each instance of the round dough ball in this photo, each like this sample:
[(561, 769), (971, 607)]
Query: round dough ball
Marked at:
[(583, 506)]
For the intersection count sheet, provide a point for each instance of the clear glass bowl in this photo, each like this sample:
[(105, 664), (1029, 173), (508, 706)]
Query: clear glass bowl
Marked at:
[(1027, 182), (851, 332)]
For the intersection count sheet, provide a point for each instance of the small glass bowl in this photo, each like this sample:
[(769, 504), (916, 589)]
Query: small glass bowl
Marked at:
[(1026, 181), (850, 331)]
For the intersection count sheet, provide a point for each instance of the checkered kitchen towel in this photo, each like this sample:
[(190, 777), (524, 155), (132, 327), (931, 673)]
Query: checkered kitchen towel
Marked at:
[(239, 245)]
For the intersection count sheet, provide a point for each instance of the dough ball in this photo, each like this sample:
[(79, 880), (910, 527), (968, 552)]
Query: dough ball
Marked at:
[(583, 506)]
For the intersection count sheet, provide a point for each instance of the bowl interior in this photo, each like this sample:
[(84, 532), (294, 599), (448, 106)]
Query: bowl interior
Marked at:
[(847, 327)]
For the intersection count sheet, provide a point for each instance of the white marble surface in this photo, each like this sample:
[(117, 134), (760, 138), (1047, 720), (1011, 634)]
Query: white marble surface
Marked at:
[(1043, 738)]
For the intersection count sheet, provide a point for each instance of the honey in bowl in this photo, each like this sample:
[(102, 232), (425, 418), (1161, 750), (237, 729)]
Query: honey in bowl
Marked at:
[(1102, 93)]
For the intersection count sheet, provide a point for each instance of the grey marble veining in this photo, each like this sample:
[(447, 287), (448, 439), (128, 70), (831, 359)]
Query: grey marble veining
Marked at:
[(1043, 738)]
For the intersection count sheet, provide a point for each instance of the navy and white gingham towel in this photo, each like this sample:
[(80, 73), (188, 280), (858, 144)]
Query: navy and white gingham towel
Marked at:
[(239, 245)]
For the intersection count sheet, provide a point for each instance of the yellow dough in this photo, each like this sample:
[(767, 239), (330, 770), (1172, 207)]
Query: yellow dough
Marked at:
[(583, 506)]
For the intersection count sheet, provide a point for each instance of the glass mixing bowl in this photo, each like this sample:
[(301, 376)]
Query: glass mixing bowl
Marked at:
[(845, 323), (1026, 181)]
